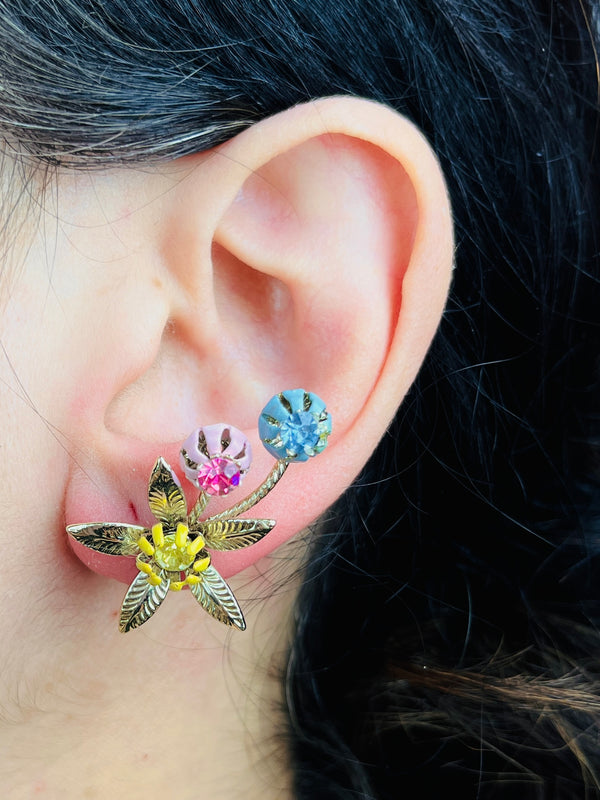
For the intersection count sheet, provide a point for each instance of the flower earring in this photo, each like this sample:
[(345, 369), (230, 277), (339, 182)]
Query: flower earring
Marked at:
[(174, 552)]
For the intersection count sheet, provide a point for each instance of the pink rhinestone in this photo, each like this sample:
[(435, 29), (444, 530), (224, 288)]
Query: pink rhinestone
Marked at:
[(218, 476), (209, 442)]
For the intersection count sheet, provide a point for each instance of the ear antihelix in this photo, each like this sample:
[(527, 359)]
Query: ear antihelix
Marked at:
[(175, 552)]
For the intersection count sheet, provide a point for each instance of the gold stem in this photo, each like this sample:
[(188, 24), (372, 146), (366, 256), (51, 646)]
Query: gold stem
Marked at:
[(198, 508), (263, 490)]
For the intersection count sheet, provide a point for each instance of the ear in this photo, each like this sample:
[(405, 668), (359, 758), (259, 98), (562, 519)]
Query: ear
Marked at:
[(314, 250)]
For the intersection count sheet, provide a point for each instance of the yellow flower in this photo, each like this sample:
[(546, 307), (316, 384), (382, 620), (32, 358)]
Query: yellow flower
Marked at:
[(173, 553)]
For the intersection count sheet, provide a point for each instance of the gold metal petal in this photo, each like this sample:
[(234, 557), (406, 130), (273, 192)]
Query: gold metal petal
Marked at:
[(233, 534), (165, 496), (141, 601), (111, 538), (215, 596)]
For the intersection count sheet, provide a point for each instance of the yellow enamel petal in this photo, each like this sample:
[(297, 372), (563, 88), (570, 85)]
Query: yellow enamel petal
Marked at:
[(181, 535), (145, 546), (143, 567), (158, 536), (194, 547), (202, 564)]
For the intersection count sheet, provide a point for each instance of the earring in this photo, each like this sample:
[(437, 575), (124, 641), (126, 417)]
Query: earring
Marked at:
[(175, 552)]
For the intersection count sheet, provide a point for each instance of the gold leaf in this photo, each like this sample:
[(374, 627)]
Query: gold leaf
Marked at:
[(233, 534), (215, 596), (141, 601), (165, 496), (111, 538)]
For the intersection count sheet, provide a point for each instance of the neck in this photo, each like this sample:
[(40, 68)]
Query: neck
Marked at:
[(181, 707)]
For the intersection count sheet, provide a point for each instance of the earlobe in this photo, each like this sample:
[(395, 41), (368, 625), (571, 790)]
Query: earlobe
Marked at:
[(323, 261)]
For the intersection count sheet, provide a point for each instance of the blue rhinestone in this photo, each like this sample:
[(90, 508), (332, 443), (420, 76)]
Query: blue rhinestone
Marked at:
[(294, 425), (299, 431)]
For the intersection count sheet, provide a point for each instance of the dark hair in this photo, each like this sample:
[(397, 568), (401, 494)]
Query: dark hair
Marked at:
[(447, 630)]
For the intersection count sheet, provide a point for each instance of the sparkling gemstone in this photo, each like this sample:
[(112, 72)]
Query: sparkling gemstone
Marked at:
[(169, 556), (299, 431), (294, 425), (206, 445), (218, 476)]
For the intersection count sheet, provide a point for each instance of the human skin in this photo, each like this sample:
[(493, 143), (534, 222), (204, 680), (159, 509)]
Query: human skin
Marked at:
[(84, 708), (101, 371)]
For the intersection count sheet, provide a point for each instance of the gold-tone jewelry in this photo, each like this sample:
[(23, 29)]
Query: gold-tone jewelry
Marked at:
[(173, 553)]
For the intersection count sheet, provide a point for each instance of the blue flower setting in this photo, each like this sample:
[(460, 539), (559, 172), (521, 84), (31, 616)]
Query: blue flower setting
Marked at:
[(294, 425)]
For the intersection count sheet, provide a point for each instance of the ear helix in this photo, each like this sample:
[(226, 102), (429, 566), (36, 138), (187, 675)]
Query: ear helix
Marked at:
[(175, 552)]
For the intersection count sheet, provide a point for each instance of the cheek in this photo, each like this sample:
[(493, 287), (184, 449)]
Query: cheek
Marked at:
[(40, 580), (38, 373), (84, 401)]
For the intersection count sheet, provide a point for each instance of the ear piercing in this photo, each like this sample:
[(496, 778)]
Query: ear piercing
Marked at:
[(175, 551)]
